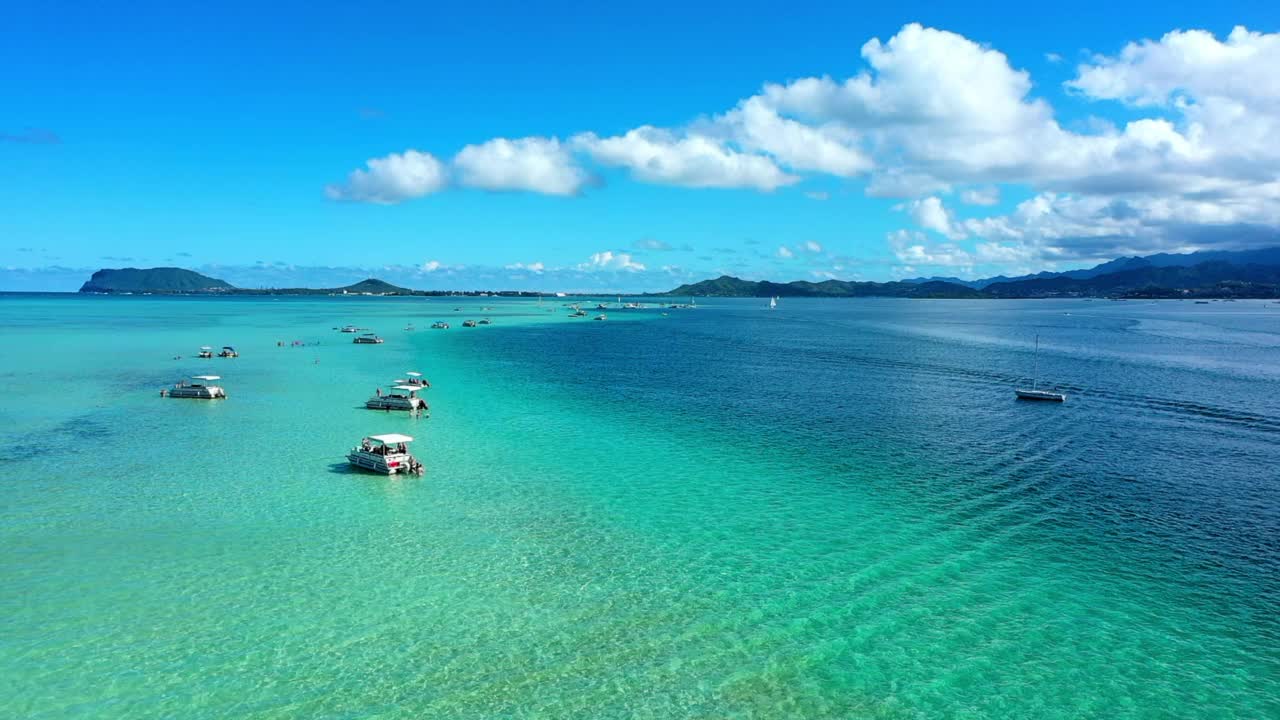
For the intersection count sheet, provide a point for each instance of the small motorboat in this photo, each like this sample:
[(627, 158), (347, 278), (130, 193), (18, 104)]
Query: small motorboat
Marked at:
[(440, 325), (201, 389), (400, 397), (601, 306), (205, 352), (385, 454), (367, 339), (468, 323), (228, 351), (578, 313), (485, 321), (601, 316), (350, 329)]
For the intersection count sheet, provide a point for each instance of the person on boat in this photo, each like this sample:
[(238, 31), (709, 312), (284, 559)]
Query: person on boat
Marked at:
[(379, 392)]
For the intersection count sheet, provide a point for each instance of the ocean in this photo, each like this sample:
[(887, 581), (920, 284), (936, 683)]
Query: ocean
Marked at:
[(834, 509)]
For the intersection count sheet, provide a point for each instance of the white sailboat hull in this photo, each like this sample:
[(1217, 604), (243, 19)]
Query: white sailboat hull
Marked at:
[(1043, 395)]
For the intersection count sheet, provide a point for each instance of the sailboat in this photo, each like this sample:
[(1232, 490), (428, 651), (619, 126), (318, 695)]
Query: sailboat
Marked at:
[(1035, 393), (773, 303)]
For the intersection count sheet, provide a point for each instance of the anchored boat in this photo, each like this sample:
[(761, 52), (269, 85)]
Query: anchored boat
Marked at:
[(414, 379), (228, 351), (367, 339), (1035, 393), (468, 323), (386, 454), (205, 352), (440, 325), (202, 389), (350, 329), (400, 397)]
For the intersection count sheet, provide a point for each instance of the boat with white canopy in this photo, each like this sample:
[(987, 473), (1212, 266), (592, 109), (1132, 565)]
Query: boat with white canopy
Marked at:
[(367, 339), (414, 379), (205, 352), (201, 389), (386, 454), (399, 397)]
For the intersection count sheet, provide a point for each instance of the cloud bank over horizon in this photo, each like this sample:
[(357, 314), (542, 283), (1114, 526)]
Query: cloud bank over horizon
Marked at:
[(939, 121)]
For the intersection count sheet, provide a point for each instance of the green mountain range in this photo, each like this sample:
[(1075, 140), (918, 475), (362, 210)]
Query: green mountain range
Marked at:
[(1138, 278)]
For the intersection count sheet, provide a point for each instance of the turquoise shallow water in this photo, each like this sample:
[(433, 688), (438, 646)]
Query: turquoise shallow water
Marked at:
[(830, 510)]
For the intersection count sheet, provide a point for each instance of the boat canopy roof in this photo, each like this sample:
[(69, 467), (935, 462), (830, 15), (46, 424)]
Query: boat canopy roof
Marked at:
[(227, 347), (410, 388), (391, 438), (206, 377), (205, 347), (413, 374)]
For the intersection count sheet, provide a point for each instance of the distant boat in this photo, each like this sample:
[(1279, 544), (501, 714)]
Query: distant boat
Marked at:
[(205, 351), (204, 389), (1035, 393), (773, 303), (350, 329), (228, 352), (367, 339)]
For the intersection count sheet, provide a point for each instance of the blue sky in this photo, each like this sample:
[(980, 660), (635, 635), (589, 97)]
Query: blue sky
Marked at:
[(629, 147)]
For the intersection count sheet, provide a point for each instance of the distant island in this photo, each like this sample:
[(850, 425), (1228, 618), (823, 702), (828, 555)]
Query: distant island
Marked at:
[(1213, 274), (153, 280), (178, 281), (1209, 274)]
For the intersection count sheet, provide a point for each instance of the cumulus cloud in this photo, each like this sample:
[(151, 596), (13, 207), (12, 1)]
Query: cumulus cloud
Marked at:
[(818, 195), (930, 214), (934, 114), (989, 195), (688, 159), (609, 260), (392, 179), (533, 164), (829, 148), (913, 248)]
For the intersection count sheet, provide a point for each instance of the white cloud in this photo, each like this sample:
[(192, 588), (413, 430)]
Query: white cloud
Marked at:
[(988, 195), (430, 266), (785, 252), (930, 214), (829, 148), (391, 179), (1053, 57), (818, 195), (912, 248), (933, 112), (1191, 63), (691, 160), (812, 247), (534, 267), (533, 164), (609, 260)]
